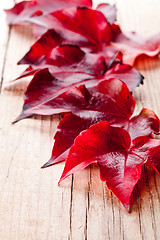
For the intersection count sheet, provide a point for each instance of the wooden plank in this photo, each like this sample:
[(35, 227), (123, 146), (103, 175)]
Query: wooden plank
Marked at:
[(143, 223), (32, 206), (4, 39), (29, 195)]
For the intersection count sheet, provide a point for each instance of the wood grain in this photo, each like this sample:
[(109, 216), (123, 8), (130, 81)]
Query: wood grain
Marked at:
[(32, 205)]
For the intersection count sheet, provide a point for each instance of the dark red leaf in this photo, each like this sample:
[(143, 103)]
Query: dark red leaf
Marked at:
[(68, 129), (109, 100), (42, 47), (144, 124), (25, 10), (111, 55), (71, 59), (129, 75), (108, 10), (48, 55), (63, 59), (133, 45), (149, 149), (46, 96)]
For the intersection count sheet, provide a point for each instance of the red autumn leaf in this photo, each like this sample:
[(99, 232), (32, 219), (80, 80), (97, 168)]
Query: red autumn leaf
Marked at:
[(69, 23), (42, 47), (109, 147), (133, 45), (25, 10), (63, 59), (125, 73), (57, 87), (149, 149), (44, 87), (49, 40), (68, 129), (47, 54), (43, 82), (100, 97), (69, 59), (109, 100), (143, 124), (108, 10), (118, 158)]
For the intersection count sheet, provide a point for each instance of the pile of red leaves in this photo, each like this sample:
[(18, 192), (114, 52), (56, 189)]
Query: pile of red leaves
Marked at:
[(80, 68)]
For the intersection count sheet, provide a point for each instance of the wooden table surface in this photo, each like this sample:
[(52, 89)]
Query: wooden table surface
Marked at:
[(32, 205)]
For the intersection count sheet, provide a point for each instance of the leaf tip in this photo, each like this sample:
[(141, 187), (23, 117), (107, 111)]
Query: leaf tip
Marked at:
[(47, 164), (16, 120), (59, 182), (63, 176), (127, 207), (22, 61), (21, 117)]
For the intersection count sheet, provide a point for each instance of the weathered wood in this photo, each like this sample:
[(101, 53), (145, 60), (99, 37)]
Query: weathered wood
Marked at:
[(5, 35), (32, 205)]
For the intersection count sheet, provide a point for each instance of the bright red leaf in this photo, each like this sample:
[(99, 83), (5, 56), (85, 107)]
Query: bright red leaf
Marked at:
[(109, 147), (133, 45), (43, 54), (68, 129), (42, 47), (70, 23), (70, 26), (88, 40), (23, 11), (143, 124), (118, 158)]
